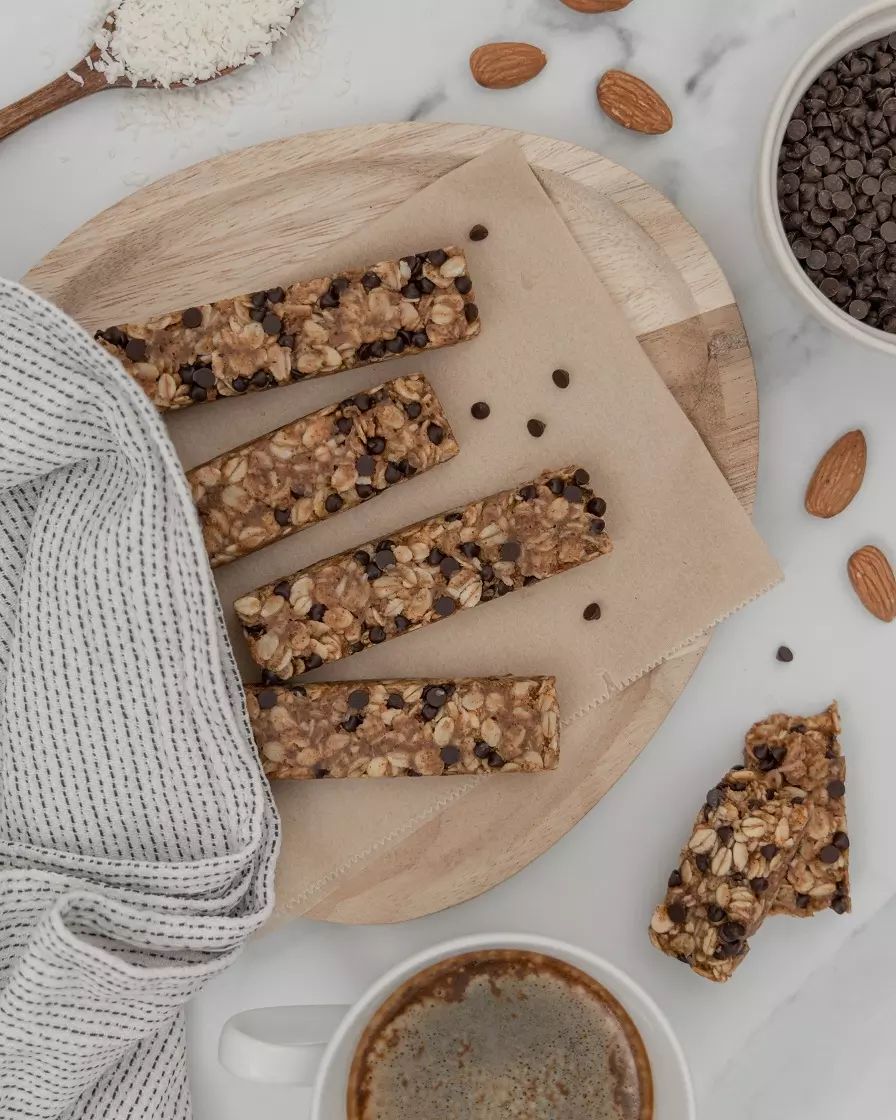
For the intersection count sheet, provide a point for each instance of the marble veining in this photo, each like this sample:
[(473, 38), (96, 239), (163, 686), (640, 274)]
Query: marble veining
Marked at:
[(755, 1044)]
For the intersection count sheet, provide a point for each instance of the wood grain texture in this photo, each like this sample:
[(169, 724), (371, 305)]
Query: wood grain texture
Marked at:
[(231, 225)]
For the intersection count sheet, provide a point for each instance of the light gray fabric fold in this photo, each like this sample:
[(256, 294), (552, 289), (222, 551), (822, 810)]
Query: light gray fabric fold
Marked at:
[(137, 833)]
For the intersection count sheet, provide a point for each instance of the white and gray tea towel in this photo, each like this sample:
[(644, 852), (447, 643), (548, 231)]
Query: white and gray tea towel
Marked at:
[(137, 834)]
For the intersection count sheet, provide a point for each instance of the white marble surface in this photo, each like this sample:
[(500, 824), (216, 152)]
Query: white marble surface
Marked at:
[(811, 997)]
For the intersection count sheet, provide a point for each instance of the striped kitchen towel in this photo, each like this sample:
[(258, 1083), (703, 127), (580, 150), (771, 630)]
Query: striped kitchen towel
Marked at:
[(137, 834)]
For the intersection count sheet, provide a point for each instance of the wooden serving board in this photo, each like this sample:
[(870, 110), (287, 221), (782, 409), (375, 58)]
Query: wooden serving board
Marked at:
[(219, 228)]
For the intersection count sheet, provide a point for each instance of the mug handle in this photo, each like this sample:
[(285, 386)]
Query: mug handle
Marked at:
[(279, 1045)]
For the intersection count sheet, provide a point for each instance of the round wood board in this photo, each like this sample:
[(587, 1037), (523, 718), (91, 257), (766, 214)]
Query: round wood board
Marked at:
[(227, 218)]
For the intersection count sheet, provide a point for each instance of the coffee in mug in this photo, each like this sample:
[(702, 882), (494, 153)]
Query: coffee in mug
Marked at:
[(501, 1033)]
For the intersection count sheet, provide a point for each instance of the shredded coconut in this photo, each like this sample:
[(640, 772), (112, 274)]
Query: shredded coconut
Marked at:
[(276, 81), (188, 41)]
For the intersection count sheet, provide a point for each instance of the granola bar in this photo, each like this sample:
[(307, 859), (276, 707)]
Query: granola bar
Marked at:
[(325, 462), (806, 752), (425, 573), (730, 871), (404, 728), (309, 329)]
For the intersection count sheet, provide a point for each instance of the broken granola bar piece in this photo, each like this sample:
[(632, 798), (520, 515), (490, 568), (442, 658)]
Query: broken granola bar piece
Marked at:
[(405, 728), (313, 468), (309, 329), (730, 871), (425, 573), (805, 751)]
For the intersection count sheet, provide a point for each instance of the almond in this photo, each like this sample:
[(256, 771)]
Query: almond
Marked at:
[(633, 104), (505, 65), (838, 476), (597, 5), (874, 582)]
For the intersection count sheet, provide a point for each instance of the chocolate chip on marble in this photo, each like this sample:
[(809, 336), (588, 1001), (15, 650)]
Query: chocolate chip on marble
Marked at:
[(592, 612), (536, 428), (480, 411), (478, 233), (784, 654), (560, 377)]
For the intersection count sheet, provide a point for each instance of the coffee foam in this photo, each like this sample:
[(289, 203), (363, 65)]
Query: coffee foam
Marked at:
[(501, 1033)]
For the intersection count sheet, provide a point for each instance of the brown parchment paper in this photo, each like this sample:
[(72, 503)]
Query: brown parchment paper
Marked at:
[(686, 555)]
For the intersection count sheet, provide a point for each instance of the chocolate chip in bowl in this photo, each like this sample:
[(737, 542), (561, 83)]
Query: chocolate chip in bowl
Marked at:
[(828, 178)]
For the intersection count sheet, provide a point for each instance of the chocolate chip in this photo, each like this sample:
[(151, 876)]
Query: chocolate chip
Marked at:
[(592, 612), (487, 573), (784, 654), (464, 285), (437, 257), (840, 841), (114, 336), (401, 623), (344, 425), (420, 339), (358, 699), (535, 428), (725, 833), (444, 606), (393, 474), (320, 771), (677, 912), (272, 324), (480, 411), (370, 280), (435, 696), (674, 879), (778, 753), (411, 291), (836, 789), (333, 503), (135, 349), (478, 233), (495, 760), (581, 477), (702, 862), (362, 558), (413, 409), (732, 932), (282, 588), (715, 797), (470, 549), (597, 507), (560, 377), (511, 551), (829, 854), (317, 612), (759, 884), (572, 494), (395, 700), (802, 901), (376, 445), (449, 755), (715, 913), (839, 904), (365, 465), (435, 433), (259, 379), (448, 567), (729, 949), (471, 312), (597, 526), (282, 517), (384, 558), (555, 485), (267, 699), (192, 317), (504, 588), (197, 393), (376, 634)]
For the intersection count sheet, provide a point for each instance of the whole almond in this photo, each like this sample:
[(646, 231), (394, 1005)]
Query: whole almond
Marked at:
[(838, 476), (505, 65), (874, 582), (633, 103), (597, 5)]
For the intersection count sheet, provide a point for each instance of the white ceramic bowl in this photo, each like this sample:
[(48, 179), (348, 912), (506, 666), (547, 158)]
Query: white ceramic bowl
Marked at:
[(870, 23)]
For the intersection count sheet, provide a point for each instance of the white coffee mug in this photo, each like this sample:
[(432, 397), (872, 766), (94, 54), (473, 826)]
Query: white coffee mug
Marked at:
[(315, 1045)]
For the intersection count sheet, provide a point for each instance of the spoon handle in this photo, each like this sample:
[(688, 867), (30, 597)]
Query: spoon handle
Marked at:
[(52, 96)]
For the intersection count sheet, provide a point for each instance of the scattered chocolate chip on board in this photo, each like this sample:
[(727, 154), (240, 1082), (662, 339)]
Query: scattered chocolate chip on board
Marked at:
[(309, 329), (837, 183), (424, 573), (406, 728), (770, 838), (317, 466)]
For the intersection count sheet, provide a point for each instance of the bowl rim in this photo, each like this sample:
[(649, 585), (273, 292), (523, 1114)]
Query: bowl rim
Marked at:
[(811, 61)]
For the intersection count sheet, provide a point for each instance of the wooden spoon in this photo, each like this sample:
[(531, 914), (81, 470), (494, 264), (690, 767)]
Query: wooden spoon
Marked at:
[(66, 89)]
